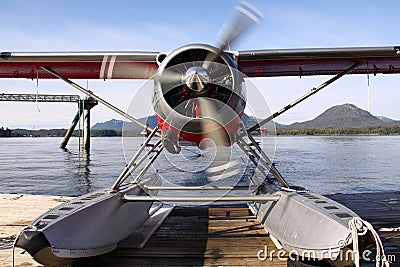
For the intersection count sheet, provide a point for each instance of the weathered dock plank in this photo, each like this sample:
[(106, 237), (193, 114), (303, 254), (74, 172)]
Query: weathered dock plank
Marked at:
[(210, 235)]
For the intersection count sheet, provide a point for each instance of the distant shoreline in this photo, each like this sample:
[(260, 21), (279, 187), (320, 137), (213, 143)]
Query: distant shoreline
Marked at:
[(379, 130), (62, 132), (370, 131)]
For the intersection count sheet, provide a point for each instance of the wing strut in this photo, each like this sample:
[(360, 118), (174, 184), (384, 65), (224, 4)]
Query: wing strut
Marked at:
[(304, 97), (258, 154), (102, 101)]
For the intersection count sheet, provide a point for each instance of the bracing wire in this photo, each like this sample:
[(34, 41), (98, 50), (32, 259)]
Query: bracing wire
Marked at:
[(369, 90), (37, 90)]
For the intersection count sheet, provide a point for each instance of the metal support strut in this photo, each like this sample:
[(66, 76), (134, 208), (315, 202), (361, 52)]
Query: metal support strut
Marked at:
[(304, 97), (258, 154), (135, 162), (259, 198), (102, 101)]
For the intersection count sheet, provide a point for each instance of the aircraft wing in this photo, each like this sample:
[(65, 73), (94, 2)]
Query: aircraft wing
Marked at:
[(318, 61), (79, 65), (253, 63)]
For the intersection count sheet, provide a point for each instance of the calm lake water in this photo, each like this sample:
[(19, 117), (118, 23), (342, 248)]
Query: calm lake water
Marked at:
[(327, 164)]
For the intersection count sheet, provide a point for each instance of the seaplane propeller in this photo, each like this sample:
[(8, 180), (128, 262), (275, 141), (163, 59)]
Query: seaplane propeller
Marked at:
[(199, 95)]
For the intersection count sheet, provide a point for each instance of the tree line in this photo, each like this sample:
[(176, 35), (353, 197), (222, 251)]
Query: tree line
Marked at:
[(394, 130), (5, 132)]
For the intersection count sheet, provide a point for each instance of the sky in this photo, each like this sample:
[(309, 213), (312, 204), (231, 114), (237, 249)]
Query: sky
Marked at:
[(162, 25)]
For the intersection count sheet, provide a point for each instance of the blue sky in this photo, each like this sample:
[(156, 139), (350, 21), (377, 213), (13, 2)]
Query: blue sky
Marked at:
[(165, 25)]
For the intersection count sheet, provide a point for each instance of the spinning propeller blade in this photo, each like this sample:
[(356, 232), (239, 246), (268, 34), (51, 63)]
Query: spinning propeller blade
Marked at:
[(170, 76), (243, 17), (213, 132)]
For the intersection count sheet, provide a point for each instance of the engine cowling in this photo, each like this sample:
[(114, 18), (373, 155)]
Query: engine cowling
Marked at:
[(199, 94)]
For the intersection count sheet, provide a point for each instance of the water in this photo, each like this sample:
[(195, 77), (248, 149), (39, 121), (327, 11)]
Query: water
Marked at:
[(332, 164), (322, 164), (38, 166)]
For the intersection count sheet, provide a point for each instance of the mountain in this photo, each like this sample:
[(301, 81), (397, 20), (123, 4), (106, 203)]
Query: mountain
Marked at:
[(341, 116), (385, 119), (118, 125), (115, 125), (249, 121)]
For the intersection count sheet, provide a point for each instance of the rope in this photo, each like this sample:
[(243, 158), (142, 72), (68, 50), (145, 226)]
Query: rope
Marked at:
[(15, 243), (13, 255), (359, 227)]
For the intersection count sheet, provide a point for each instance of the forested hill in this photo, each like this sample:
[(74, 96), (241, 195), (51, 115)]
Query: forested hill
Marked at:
[(342, 116), (343, 119)]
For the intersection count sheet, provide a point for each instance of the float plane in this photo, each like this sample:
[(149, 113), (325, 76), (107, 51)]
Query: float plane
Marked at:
[(198, 98)]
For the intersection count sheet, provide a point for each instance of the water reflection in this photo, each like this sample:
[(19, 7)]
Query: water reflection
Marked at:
[(80, 166)]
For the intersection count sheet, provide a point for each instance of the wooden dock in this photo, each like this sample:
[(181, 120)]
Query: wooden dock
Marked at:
[(200, 236), (226, 235)]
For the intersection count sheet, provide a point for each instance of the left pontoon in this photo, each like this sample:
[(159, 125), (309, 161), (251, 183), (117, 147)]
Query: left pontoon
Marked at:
[(86, 226)]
